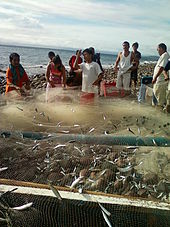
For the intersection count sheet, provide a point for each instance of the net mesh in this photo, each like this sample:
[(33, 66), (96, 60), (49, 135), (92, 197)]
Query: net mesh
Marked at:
[(48, 211), (107, 169)]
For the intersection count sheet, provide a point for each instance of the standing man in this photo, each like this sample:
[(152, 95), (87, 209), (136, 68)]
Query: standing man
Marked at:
[(137, 57), (159, 83), (91, 72), (123, 66)]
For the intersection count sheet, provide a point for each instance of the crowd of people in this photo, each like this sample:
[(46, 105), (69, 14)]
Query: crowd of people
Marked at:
[(89, 73)]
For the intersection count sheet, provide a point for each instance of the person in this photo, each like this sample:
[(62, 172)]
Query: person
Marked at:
[(158, 81), (75, 77), (16, 77), (166, 77), (123, 66), (55, 74), (91, 73), (96, 57), (137, 57), (51, 55)]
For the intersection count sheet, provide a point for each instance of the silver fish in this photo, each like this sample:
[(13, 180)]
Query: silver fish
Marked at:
[(104, 210), (55, 191), (3, 168), (59, 145), (154, 142), (20, 108), (35, 147), (130, 131), (76, 181), (64, 131), (106, 219), (23, 207), (91, 130), (125, 169), (3, 220), (139, 131)]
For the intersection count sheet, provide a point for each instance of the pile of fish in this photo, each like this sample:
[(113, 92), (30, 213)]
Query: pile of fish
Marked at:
[(108, 169)]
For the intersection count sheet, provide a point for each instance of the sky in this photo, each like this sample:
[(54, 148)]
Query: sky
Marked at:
[(104, 24)]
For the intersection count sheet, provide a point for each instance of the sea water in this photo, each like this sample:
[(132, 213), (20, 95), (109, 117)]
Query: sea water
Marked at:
[(35, 59)]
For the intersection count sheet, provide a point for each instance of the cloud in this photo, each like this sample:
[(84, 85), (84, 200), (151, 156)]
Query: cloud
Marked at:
[(76, 23)]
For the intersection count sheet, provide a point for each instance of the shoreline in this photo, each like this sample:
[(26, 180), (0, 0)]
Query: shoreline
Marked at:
[(38, 81)]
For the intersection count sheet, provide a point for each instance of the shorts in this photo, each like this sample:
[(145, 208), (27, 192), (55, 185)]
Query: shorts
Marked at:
[(123, 81)]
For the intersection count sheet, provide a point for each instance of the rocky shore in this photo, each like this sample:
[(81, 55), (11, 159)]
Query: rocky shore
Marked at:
[(38, 80)]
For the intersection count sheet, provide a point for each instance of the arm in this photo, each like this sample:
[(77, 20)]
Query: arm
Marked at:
[(47, 75), (117, 62), (157, 75), (76, 66), (96, 82), (64, 76)]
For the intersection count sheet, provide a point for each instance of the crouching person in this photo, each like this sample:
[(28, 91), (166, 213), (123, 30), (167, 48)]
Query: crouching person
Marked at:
[(16, 77)]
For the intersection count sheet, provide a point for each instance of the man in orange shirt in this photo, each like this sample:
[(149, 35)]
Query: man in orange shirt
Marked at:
[(16, 76)]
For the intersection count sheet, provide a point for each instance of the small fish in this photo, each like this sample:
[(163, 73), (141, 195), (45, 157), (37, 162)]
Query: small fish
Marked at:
[(72, 110), (104, 210), (130, 131), (76, 125), (154, 142), (91, 130), (139, 131), (80, 151), (23, 207), (115, 126), (104, 117), (36, 110), (3, 220), (125, 169), (64, 131), (20, 108), (159, 196), (35, 147), (132, 147), (106, 219), (8, 192), (3, 168), (59, 145), (71, 141), (80, 190), (55, 191), (76, 181)]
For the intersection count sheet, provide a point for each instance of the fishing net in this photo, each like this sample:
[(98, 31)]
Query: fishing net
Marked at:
[(85, 176)]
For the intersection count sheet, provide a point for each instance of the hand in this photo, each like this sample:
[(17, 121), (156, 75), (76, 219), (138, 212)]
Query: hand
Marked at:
[(51, 83), (95, 83), (116, 69), (79, 53)]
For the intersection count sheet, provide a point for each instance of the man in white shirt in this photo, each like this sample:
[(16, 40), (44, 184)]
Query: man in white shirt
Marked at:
[(91, 72), (159, 83)]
